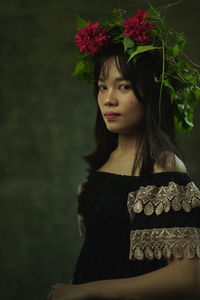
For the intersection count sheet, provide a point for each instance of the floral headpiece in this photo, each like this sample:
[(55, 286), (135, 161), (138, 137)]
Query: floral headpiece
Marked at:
[(145, 31)]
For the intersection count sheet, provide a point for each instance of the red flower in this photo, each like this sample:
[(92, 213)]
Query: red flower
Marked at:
[(91, 38), (136, 27)]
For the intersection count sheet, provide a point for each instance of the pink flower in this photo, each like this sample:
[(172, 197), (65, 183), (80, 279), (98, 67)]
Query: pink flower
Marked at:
[(91, 38), (136, 27)]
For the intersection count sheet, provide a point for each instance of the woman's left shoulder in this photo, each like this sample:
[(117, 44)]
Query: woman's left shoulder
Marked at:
[(174, 163)]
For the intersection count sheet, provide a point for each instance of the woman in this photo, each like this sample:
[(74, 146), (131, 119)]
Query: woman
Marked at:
[(138, 209)]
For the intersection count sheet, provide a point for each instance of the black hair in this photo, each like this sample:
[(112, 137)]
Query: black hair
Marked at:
[(156, 141)]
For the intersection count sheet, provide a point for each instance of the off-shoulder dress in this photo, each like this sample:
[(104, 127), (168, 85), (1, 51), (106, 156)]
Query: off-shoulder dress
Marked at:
[(134, 224)]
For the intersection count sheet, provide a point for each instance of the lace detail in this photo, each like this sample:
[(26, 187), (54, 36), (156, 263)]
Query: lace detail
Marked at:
[(152, 198), (165, 242)]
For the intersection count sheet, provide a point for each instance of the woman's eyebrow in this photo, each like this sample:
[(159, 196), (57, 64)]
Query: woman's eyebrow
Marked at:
[(116, 79)]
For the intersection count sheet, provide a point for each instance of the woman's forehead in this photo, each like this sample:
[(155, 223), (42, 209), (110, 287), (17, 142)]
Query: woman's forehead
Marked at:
[(109, 68)]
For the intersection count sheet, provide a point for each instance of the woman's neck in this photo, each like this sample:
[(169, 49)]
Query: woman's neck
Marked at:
[(127, 144)]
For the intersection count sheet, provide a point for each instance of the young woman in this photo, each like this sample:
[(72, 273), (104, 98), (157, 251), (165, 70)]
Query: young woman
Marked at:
[(138, 208)]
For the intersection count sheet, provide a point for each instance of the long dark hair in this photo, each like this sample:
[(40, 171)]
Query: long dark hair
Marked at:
[(155, 142)]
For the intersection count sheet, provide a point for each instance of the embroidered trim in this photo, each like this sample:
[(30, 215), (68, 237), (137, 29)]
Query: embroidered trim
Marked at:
[(165, 242), (152, 198)]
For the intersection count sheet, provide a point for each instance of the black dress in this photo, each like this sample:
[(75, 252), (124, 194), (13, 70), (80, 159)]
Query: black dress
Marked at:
[(135, 223)]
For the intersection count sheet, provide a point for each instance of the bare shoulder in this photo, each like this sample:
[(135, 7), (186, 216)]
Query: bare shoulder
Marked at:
[(178, 167)]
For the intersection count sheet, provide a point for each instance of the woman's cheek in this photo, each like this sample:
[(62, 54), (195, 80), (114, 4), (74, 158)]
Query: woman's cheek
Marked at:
[(99, 102), (100, 105)]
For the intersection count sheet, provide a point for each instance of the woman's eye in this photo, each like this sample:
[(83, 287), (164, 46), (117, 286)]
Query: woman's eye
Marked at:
[(125, 86), (101, 87)]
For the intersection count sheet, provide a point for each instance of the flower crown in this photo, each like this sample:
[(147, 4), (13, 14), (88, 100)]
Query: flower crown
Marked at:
[(145, 31)]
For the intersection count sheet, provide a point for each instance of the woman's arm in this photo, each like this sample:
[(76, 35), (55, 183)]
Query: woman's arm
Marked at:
[(81, 225), (178, 280)]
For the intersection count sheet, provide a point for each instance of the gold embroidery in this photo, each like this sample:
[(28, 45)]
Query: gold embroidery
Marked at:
[(165, 242), (152, 198)]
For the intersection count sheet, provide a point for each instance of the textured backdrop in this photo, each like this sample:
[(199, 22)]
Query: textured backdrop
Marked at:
[(46, 127)]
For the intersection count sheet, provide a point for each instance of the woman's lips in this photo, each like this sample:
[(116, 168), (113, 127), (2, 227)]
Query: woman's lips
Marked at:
[(111, 116)]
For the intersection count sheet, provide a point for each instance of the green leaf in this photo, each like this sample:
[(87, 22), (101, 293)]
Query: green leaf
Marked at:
[(172, 4), (168, 84), (80, 22), (189, 77), (153, 13), (197, 91), (157, 79), (118, 38), (178, 126), (117, 14), (80, 66), (141, 49), (181, 107), (188, 119), (181, 66), (128, 43), (176, 50)]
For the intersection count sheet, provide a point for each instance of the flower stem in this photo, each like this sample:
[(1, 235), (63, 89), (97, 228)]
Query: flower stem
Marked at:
[(162, 77), (163, 61)]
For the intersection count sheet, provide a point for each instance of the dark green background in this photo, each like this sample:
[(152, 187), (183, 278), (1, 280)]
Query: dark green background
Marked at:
[(46, 127)]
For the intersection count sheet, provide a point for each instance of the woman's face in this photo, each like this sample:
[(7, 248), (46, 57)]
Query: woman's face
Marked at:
[(121, 110)]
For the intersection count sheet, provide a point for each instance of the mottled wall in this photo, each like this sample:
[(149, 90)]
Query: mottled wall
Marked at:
[(46, 127)]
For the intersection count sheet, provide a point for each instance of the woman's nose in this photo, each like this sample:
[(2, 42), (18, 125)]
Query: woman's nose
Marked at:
[(110, 98)]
